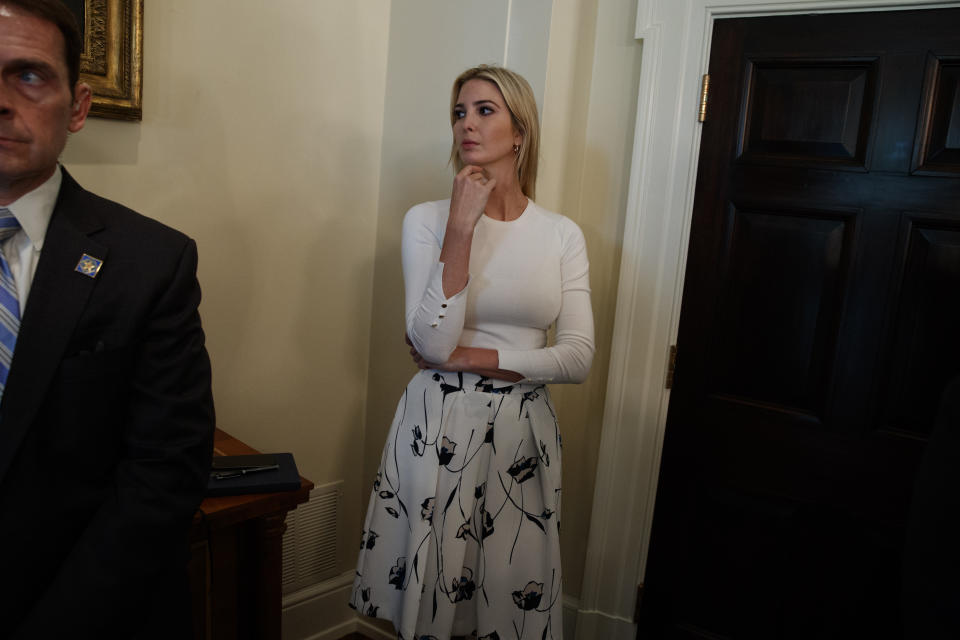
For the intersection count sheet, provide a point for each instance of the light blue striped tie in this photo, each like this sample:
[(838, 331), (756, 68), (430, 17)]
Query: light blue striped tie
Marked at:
[(9, 304)]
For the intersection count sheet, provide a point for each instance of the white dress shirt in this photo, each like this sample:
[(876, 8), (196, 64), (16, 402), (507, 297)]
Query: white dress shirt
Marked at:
[(22, 250)]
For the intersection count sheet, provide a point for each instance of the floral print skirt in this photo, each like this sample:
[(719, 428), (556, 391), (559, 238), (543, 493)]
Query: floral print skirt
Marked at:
[(462, 529)]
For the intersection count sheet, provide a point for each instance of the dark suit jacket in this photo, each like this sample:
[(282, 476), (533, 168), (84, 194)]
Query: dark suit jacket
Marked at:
[(106, 428)]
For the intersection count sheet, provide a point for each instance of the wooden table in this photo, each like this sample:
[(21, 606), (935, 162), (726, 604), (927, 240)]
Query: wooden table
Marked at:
[(236, 558)]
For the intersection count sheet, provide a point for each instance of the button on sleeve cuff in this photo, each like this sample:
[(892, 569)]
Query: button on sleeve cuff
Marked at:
[(437, 321)]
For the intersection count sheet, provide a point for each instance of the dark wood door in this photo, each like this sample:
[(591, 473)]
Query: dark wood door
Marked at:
[(819, 326)]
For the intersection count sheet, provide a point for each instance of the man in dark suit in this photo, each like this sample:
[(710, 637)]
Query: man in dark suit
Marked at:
[(106, 413)]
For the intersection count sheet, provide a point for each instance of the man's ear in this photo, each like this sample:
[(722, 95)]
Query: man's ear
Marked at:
[(82, 98)]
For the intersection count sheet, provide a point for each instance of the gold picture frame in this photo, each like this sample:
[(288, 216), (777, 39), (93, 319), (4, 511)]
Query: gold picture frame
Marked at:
[(112, 58)]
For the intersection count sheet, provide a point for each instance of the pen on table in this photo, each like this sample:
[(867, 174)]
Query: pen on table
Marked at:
[(223, 475)]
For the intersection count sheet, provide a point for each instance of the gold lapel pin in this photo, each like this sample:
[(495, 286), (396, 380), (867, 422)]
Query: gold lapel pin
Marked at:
[(89, 266)]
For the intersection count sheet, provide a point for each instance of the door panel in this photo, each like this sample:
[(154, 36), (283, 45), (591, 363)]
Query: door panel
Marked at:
[(818, 327), (779, 306), (928, 309), (938, 140), (808, 111)]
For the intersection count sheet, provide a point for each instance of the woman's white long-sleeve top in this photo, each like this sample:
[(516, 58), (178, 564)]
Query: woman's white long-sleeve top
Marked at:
[(525, 275)]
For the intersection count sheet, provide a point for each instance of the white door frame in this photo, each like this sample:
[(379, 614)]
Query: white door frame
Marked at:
[(676, 48)]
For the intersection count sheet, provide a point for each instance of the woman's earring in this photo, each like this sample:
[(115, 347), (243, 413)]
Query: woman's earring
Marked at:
[(516, 148)]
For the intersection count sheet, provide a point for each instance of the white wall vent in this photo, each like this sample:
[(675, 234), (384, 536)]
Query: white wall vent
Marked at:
[(310, 541)]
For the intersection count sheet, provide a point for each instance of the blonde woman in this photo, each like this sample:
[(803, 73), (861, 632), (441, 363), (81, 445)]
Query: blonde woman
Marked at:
[(462, 531)]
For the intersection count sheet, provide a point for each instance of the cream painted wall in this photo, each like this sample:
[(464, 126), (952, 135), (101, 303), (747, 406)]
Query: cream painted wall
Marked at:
[(589, 110), (261, 139)]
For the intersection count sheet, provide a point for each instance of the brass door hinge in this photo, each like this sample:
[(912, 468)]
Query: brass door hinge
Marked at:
[(704, 93), (671, 367), (636, 609)]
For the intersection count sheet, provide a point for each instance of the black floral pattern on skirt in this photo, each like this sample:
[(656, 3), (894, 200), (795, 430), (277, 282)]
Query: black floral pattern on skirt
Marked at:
[(462, 529)]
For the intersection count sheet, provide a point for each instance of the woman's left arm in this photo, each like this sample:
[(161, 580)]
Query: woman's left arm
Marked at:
[(568, 360)]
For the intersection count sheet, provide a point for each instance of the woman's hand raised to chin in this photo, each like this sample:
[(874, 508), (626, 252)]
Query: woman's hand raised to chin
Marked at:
[(471, 190)]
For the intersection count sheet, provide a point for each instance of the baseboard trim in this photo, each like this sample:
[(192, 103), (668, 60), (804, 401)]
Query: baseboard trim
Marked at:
[(367, 628), (332, 633), (318, 590), (320, 612), (597, 624)]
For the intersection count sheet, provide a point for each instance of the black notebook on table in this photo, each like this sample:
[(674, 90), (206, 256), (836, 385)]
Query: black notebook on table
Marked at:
[(259, 473)]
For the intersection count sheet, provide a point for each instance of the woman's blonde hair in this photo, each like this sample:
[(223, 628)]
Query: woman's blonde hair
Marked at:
[(519, 98)]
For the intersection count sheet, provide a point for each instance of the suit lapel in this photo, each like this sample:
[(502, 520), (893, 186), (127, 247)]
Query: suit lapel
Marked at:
[(58, 296)]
